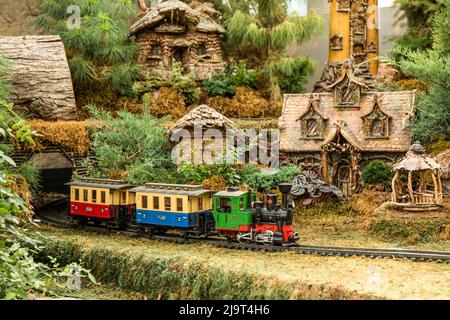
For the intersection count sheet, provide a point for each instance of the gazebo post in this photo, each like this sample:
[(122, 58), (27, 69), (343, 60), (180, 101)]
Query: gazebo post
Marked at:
[(440, 185), (436, 188), (410, 187), (394, 189), (421, 181)]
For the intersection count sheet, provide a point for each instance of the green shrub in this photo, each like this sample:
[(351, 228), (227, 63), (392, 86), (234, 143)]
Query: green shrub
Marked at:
[(377, 172), (136, 144), (199, 173), (295, 80), (219, 85), (176, 79), (256, 179), (240, 76)]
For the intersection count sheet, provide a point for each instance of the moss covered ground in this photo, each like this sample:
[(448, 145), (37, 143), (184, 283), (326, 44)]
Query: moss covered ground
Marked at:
[(161, 270), (355, 224)]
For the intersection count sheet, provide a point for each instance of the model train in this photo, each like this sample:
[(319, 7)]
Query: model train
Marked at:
[(190, 210)]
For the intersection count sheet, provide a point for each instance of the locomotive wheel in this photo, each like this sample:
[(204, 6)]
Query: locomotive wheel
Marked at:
[(242, 240)]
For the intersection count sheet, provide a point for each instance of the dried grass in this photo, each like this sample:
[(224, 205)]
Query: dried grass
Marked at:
[(247, 103), (169, 102), (169, 271), (215, 183), (72, 135)]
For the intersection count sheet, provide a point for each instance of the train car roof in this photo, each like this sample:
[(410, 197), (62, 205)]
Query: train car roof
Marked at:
[(230, 193), (181, 192), (100, 185)]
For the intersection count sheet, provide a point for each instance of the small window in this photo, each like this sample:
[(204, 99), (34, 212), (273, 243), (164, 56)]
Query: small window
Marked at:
[(77, 194), (103, 196), (144, 202), (241, 203), (156, 50), (200, 203), (156, 203), (376, 129), (224, 205), (167, 203), (312, 127), (179, 204), (124, 196), (201, 50), (94, 196), (85, 195)]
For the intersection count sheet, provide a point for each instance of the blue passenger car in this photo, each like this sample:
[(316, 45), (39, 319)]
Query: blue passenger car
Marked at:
[(184, 207)]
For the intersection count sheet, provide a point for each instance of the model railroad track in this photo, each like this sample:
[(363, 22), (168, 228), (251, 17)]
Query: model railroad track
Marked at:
[(414, 255)]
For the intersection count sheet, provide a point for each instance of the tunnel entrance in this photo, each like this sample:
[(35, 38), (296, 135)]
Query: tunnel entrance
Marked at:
[(55, 171)]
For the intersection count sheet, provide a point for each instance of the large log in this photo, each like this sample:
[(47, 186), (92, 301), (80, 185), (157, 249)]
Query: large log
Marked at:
[(42, 85)]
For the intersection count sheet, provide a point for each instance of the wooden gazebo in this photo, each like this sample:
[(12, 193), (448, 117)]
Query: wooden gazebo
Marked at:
[(417, 167)]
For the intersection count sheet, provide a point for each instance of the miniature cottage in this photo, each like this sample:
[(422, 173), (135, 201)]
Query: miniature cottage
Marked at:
[(444, 160), (319, 132), (175, 31), (197, 130)]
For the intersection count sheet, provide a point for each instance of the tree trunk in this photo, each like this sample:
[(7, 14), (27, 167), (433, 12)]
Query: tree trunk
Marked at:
[(42, 85)]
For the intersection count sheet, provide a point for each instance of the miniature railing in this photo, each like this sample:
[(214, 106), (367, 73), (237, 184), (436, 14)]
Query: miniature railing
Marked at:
[(425, 198)]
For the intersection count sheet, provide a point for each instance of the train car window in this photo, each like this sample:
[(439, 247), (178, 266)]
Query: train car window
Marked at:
[(144, 202), (179, 204), (241, 203), (103, 197), (77, 194), (85, 195), (224, 205), (94, 196), (167, 203), (200, 203), (156, 203)]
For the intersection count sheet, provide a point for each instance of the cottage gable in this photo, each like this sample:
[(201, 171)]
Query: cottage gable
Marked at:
[(393, 112), (312, 122), (175, 31), (376, 123)]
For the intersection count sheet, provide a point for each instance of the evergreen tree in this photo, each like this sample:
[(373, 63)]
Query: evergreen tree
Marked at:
[(268, 29), (419, 14), (431, 66), (97, 44)]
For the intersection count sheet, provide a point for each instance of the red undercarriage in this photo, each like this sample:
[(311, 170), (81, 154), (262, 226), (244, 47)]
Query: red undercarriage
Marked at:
[(288, 231)]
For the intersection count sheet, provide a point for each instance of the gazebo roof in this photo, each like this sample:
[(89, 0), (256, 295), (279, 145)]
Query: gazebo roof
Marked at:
[(203, 116), (204, 17), (416, 160)]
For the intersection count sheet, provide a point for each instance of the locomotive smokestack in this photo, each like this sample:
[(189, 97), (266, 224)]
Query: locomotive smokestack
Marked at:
[(285, 188)]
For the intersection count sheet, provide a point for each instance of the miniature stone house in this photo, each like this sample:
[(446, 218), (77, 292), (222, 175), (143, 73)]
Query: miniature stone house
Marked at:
[(337, 142), (175, 31), (201, 129)]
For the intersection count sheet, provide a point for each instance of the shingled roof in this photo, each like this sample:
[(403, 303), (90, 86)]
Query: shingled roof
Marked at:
[(203, 116), (398, 105), (202, 18), (444, 160)]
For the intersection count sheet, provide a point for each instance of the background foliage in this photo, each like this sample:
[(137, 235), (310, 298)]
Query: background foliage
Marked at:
[(99, 50), (431, 66), (268, 29)]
